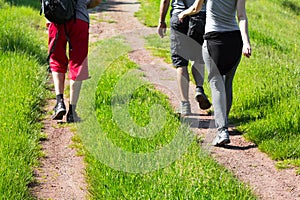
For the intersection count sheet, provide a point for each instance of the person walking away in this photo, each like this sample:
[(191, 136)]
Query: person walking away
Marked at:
[(77, 31), (184, 35), (226, 39)]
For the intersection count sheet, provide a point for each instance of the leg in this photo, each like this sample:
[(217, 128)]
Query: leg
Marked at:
[(179, 60), (198, 74), (217, 85), (59, 85), (58, 66), (59, 82), (183, 82), (75, 87), (228, 88), (78, 64)]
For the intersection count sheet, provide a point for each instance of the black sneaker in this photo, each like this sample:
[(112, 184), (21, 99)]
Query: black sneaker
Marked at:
[(202, 98), (72, 117), (59, 111)]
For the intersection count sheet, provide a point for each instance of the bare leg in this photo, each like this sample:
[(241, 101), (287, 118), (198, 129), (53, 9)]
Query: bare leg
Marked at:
[(75, 87), (183, 82), (59, 82), (183, 85), (59, 85)]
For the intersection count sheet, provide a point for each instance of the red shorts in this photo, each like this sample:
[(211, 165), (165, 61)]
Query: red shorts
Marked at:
[(77, 60)]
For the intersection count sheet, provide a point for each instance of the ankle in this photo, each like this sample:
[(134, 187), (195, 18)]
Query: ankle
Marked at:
[(59, 98), (72, 108)]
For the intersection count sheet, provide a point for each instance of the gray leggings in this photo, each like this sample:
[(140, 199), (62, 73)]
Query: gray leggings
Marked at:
[(221, 89)]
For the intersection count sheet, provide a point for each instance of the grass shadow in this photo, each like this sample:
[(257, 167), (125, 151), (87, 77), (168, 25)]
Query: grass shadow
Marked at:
[(109, 6), (27, 3), (292, 6)]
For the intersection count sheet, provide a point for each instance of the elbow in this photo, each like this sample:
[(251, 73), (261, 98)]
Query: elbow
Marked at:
[(242, 19), (196, 10)]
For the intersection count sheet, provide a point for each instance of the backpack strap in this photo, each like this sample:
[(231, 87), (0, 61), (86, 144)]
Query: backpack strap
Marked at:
[(74, 6)]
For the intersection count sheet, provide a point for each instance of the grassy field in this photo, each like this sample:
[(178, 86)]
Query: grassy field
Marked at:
[(124, 163), (22, 81), (266, 88)]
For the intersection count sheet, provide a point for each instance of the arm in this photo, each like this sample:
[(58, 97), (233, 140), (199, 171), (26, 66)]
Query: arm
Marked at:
[(162, 26), (194, 9), (93, 3), (243, 24)]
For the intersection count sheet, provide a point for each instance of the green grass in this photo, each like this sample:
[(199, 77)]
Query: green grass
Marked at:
[(27, 3), (21, 32), (266, 87), (117, 102), (159, 46), (148, 13), (22, 91), (268, 103)]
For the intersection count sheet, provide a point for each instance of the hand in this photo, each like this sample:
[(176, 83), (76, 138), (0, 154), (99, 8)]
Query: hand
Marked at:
[(181, 16), (247, 50), (161, 29)]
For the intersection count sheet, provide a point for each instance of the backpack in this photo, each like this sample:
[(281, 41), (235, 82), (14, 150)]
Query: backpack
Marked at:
[(58, 11)]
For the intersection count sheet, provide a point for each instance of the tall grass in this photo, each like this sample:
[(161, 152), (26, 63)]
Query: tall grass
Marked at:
[(22, 90), (266, 88), (115, 175), (21, 32)]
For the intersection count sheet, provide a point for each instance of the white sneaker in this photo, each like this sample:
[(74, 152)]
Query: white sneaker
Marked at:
[(221, 138), (185, 108)]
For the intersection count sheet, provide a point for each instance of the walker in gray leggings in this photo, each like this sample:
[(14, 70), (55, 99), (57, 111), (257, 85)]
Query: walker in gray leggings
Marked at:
[(222, 54)]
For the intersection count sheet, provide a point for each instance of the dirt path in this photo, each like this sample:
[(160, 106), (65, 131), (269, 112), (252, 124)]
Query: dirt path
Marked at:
[(61, 174)]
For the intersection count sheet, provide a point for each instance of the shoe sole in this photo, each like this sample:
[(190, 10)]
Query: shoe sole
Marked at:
[(59, 115), (222, 143), (203, 102)]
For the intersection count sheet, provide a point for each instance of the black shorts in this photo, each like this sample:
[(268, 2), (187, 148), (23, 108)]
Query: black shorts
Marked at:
[(186, 39)]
